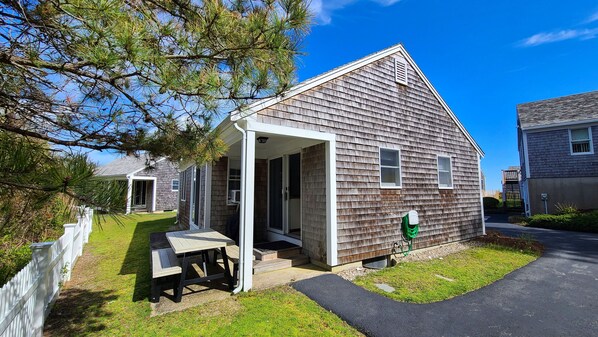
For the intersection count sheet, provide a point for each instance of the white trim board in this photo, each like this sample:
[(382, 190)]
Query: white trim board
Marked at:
[(560, 125), (335, 73)]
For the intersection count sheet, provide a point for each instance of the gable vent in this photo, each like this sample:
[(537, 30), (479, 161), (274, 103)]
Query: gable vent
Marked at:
[(401, 71)]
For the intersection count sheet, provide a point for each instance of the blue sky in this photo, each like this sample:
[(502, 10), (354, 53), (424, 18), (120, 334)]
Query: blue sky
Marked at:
[(483, 57)]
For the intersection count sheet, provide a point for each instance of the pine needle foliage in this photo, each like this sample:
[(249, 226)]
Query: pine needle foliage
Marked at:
[(136, 76)]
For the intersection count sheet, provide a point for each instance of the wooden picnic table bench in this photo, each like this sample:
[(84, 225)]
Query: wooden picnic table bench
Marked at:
[(165, 267)]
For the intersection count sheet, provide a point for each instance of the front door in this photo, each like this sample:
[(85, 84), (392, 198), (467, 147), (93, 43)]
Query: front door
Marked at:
[(275, 194), (139, 193), (284, 193)]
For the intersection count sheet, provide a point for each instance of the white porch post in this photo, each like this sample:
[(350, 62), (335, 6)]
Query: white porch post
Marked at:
[(155, 185), (129, 193), (248, 190), (331, 225)]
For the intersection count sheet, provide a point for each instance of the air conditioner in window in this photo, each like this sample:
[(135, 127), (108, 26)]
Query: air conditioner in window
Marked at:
[(234, 196)]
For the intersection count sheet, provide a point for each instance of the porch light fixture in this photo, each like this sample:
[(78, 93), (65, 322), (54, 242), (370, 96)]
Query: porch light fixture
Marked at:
[(262, 140)]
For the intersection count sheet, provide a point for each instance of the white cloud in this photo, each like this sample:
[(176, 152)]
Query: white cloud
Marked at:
[(386, 2), (568, 34), (323, 9), (592, 18)]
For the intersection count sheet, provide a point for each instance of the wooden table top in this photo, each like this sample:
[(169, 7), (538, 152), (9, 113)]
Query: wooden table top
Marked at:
[(196, 240)]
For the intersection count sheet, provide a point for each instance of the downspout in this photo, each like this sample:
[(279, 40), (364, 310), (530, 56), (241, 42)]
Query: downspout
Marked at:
[(481, 195), (242, 212)]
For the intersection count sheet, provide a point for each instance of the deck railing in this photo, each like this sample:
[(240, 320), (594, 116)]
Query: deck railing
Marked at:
[(26, 300)]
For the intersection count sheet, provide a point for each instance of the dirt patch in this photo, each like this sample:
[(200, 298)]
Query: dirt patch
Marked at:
[(522, 243)]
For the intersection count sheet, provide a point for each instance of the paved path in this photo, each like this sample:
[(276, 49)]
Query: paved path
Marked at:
[(557, 295)]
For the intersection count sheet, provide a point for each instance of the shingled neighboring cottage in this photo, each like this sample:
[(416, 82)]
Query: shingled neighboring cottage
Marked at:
[(332, 165), (557, 140), (153, 185)]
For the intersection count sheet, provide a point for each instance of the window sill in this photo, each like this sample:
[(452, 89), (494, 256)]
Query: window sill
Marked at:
[(390, 187)]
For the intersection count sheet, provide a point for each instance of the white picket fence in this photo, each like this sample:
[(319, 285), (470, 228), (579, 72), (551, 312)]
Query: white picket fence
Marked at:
[(26, 300)]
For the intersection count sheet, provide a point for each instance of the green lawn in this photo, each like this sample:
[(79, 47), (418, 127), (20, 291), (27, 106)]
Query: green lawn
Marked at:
[(468, 270), (111, 281)]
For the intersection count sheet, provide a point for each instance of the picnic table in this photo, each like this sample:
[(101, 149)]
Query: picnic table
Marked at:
[(190, 243)]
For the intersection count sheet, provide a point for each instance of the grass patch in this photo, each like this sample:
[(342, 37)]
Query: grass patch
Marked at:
[(574, 221), (453, 275), (111, 282)]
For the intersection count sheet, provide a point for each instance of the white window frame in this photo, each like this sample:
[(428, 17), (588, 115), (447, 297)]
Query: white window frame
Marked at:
[(228, 179), (451, 171), (388, 185), (590, 140), (172, 185)]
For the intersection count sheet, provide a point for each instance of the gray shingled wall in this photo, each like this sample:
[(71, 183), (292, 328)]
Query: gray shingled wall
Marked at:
[(164, 171), (366, 110), (550, 156)]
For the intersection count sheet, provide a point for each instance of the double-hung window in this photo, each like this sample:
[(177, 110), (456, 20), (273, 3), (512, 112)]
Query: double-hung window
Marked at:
[(581, 141), (175, 185), (445, 172), (390, 168)]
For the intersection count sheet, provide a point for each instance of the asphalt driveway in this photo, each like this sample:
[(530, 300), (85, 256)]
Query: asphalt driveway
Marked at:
[(557, 295)]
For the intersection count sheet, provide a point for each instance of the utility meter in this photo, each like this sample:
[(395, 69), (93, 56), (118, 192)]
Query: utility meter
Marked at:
[(544, 196)]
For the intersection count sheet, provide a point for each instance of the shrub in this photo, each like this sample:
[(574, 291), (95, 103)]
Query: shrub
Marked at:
[(580, 222), (490, 202), (566, 208), (12, 261)]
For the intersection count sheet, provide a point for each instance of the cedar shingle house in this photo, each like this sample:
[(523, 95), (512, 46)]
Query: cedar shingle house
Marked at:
[(153, 185), (557, 140), (332, 165)]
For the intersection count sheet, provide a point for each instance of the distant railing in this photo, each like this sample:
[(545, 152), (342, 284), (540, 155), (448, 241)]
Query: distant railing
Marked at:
[(26, 300), (510, 175)]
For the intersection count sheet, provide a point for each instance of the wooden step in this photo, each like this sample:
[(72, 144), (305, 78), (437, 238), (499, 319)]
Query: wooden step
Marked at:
[(276, 254), (279, 263), (267, 251)]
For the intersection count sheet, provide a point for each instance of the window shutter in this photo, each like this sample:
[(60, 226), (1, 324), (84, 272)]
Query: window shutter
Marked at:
[(401, 71)]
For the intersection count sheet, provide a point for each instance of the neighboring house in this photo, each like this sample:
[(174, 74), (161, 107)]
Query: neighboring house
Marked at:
[(510, 184), (153, 185), (557, 139), (334, 162)]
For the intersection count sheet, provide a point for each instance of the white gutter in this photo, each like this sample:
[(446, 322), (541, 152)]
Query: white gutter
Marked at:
[(242, 215), (481, 195)]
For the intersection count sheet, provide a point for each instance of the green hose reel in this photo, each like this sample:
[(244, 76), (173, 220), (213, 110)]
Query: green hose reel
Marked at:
[(409, 230)]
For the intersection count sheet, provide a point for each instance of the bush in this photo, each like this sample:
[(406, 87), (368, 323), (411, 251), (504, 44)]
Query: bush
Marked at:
[(490, 202), (579, 222), (12, 261), (566, 208)]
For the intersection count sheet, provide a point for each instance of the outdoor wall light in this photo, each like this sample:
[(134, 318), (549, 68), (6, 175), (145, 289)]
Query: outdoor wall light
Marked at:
[(262, 140)]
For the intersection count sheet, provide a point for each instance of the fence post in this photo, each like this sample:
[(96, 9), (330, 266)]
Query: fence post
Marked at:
[(81, 237), (91, 220), (87, 224), (72, 242), (69, 232), (41, 259)]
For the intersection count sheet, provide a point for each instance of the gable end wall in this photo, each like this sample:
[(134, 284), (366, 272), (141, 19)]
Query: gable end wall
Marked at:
[(366, 110)]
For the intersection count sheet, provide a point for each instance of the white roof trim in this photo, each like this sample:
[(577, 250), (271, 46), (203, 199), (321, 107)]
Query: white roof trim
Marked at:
[(335, 73), (143, 168), (560, 125)]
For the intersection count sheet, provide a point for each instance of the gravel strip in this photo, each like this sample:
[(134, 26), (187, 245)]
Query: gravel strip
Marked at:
[(417, 255)]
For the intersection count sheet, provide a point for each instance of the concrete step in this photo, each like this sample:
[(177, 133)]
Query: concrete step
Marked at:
[(261, 266)]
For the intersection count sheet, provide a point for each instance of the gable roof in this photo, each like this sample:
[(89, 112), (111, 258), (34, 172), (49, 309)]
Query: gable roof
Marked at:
[(560, 111), (342, 70), (124, 166)]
